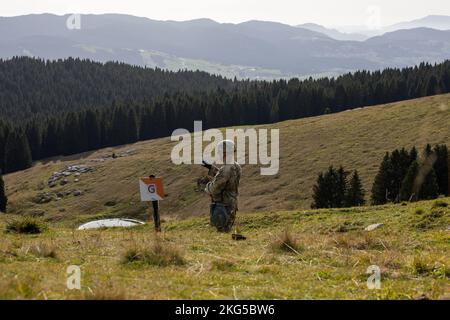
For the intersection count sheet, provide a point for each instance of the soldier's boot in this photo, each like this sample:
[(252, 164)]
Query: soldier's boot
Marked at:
[(231, 221)]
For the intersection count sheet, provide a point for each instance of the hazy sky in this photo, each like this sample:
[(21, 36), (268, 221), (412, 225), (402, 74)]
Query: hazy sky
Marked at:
[(326, 12)]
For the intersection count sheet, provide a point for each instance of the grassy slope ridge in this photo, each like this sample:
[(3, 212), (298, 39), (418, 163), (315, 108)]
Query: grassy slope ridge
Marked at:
[(356, 139), (332, 254)]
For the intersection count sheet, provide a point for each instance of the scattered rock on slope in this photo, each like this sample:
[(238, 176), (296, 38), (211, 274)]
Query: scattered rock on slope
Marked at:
[(43, 198), (61, 176), (373, 226), (110, 203)]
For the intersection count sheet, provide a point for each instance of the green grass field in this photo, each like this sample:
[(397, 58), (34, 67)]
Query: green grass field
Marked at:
[(327, 257)]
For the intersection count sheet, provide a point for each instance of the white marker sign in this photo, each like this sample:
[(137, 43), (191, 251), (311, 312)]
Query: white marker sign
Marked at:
[(151, 189)]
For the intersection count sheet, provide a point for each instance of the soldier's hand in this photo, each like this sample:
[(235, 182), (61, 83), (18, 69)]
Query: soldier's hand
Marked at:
[(206, 165), (202, 182)]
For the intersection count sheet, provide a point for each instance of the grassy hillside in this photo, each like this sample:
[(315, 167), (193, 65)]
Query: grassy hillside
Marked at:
[(327, 258), (355, 139)]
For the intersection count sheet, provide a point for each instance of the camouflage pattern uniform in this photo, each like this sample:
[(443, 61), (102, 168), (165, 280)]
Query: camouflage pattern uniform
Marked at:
[(224, 188)]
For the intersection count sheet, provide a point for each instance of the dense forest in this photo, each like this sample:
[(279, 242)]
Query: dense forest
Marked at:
[(63, 107), (408, 176), (30, 87)]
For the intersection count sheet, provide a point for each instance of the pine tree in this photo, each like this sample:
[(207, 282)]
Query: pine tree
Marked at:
[(400, 162), (382, 182), (432, 86), (71, 135), (145, 128), (18, 154), (330, 189), (339, 187), (428, 151), (93, 130), (34, 136), (413, 155), (3, 136), (409, 191), (441, 167), (3, 198), (50, 142), (119, 125), (132, 130), (429, 188), (355, 192), (320, 193)]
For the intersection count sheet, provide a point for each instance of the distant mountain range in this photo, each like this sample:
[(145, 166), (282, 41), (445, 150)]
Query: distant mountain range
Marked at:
[(253, 49), (438, 22), (434, 22), (334, 33)]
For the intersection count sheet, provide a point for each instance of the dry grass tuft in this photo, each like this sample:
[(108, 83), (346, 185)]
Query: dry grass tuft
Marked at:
[(223, 265), (106, 292), (440, 204), (25, 226), (419, 211), (359, 241), (424, 266), (286, 242), (44, 250), (420, 266), (158, 254)]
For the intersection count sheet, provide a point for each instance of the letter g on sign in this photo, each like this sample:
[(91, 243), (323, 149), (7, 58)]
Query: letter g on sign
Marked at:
[(151, 188)]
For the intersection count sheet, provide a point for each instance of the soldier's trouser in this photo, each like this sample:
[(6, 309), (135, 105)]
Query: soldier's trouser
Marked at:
[(222, 217), (232, 219)]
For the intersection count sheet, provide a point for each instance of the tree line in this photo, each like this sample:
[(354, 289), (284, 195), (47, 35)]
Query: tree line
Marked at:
[(402, 176), (52, 108), (33, 87), (408, 176), (334, 190)]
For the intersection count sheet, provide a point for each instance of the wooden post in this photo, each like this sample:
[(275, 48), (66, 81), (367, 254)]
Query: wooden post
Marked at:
[(448, 170), (156, 218)]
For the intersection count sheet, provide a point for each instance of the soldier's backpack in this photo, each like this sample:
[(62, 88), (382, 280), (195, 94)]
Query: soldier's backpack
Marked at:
[(220, 216)]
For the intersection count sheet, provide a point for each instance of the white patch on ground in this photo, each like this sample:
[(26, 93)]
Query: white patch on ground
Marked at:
[(110, 223), (373, 226)]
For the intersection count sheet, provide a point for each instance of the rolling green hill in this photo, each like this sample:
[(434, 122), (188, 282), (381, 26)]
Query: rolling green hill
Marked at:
[(356, 139)]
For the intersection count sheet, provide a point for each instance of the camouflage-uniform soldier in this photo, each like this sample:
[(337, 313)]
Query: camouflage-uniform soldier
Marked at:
[(223, 188)]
